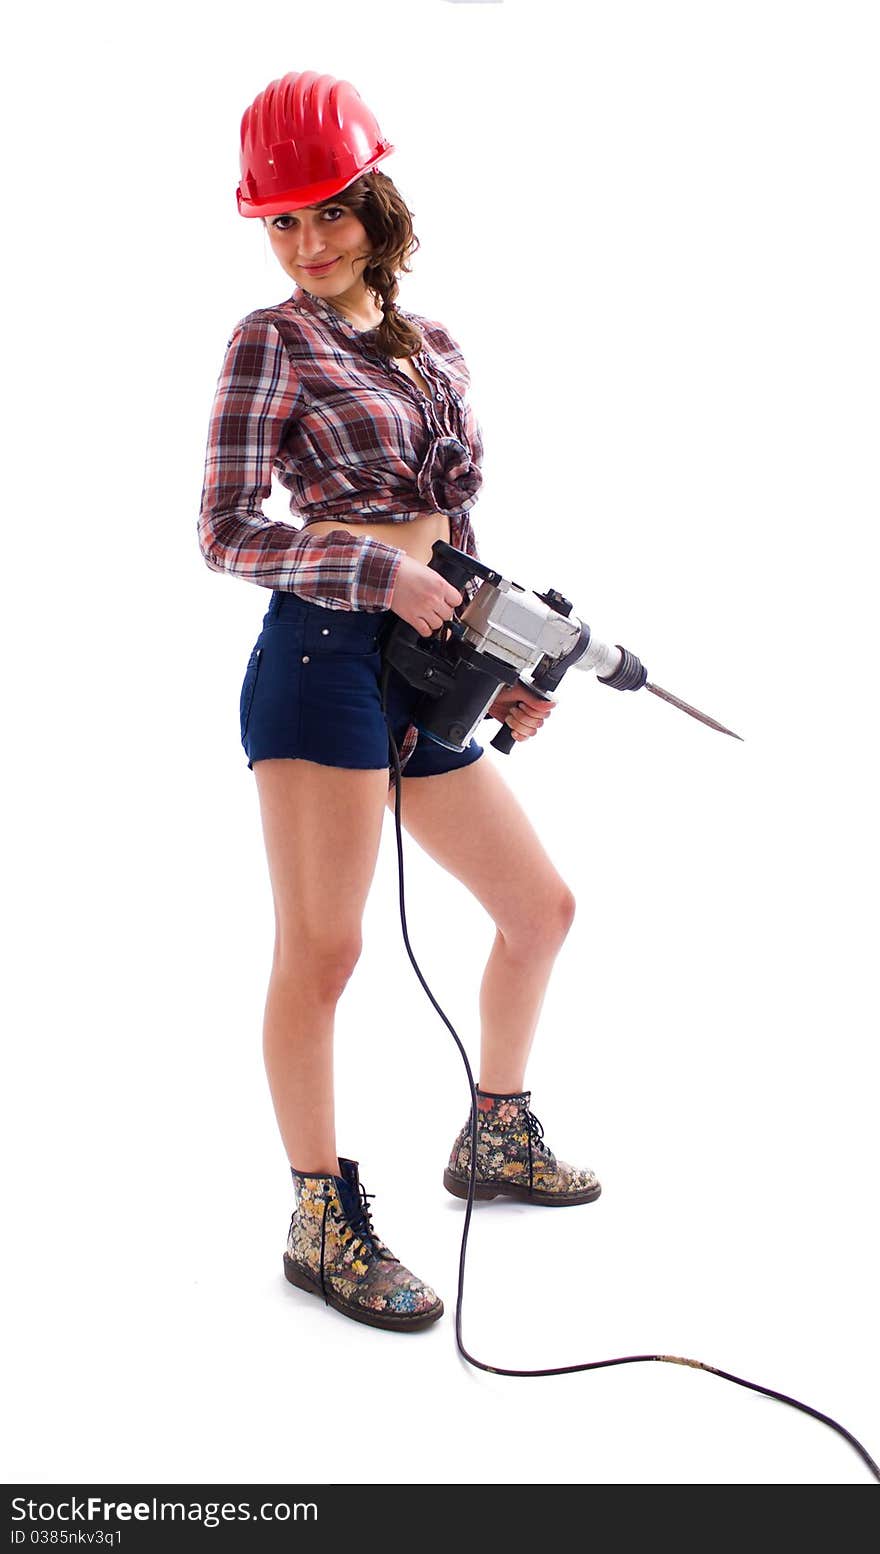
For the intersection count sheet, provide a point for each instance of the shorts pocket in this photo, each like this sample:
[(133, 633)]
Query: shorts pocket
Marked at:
[(342, 636), (336, 643), (248, 686)]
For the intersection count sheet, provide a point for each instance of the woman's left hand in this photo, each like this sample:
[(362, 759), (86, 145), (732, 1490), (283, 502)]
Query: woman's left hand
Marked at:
[(521, 710)]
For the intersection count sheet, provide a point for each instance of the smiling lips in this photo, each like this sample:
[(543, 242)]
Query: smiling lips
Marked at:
[(318, 269)]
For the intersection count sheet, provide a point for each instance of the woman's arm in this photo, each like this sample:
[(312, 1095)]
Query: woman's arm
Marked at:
[(256, 395)]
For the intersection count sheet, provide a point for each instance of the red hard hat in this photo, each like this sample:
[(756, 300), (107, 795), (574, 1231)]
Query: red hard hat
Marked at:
[(303, 139)]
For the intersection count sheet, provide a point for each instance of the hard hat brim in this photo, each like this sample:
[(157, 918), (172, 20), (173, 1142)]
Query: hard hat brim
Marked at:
[(280, 204)]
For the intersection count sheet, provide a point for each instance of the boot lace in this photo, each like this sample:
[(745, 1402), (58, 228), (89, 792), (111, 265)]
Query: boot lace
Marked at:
[(536, 1132), (536, 1141), (361, 1223), (362, 1220)]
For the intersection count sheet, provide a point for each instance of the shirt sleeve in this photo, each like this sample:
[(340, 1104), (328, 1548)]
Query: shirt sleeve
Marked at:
[(256, 395)]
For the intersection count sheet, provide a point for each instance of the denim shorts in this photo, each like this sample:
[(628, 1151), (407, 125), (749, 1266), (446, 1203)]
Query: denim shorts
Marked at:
[(312, 691)]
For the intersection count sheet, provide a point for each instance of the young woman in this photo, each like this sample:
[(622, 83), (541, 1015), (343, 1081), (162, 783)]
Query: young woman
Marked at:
[(359, 407)]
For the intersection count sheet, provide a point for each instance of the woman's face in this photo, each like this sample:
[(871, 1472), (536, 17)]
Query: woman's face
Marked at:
[(318, 235)]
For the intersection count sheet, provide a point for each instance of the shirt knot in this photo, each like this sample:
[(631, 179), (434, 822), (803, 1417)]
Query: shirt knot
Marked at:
[(448, 478)]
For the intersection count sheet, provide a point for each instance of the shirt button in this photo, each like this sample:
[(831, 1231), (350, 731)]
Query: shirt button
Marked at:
[(439, 394), (325, 631), (305, 658)]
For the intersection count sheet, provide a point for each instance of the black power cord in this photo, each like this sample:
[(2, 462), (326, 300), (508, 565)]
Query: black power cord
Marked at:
[(586, 1365)]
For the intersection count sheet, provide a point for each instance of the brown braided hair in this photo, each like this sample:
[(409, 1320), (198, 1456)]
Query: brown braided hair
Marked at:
[(387, 220)]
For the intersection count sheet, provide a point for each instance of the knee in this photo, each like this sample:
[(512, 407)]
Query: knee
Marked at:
[(562, 913), (547, 923), (320, 965), (567, 909)]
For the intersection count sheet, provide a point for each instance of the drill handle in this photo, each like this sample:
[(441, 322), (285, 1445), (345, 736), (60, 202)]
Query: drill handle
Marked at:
[(504, 740)]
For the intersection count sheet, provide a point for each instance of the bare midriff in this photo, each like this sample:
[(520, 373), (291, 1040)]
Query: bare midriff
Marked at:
[(415, 535)]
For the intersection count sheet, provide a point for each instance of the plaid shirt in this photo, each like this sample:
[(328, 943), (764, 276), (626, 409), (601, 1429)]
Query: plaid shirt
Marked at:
[(304, 395)]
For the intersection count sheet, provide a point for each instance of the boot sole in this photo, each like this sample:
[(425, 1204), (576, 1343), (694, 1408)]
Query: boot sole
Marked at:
[(550, 1200), (294, 1274)]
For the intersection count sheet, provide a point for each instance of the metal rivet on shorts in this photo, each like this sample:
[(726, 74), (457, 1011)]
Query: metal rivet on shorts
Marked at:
[(305, 658), (325, 631)]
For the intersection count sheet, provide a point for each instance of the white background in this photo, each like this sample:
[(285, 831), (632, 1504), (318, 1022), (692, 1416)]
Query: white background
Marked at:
[(654, 230)]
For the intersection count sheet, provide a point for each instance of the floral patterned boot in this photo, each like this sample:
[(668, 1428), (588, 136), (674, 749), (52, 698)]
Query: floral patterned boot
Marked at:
[(333, 1250), (512, 1158)]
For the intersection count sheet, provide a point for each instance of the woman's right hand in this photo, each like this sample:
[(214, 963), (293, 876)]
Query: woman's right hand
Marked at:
[(422, 597)]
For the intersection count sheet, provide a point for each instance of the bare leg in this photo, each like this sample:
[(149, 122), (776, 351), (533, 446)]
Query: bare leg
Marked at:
[(471, 822), (322, 826), (511, 997)]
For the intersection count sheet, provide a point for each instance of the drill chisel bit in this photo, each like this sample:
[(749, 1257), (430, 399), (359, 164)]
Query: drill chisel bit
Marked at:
[(703, 717)]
